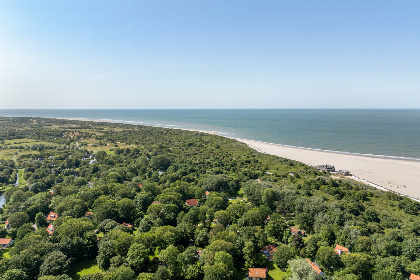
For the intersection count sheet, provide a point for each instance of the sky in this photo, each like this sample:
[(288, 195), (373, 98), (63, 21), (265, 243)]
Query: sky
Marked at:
[(135, 54)]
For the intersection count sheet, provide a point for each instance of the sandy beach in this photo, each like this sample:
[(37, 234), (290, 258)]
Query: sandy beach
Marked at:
[(401, 176)]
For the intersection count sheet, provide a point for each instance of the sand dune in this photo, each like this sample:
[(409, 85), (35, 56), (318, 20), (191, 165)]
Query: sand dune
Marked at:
[(401, 176)]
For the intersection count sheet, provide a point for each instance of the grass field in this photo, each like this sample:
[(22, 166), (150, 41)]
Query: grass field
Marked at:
[(21, 180), (84, 268)]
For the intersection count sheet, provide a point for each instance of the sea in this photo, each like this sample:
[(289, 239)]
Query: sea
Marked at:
[(381, 133)]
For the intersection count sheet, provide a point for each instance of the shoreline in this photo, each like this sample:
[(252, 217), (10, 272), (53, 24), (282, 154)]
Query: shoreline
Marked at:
[(399, 175)]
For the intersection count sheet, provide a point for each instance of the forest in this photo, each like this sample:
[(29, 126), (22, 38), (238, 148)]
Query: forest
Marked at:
[(101, 201)]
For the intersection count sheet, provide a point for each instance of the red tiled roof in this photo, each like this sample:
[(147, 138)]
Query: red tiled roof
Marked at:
[(52, 216), (4, 241), (343, 249), (414, 277), (314, 267), (257, 272), (191, 202), (207, 192), (270, 248), (7, 222), (294, 230), (127, 225), (51, 229), (88, 214), (155, 202)]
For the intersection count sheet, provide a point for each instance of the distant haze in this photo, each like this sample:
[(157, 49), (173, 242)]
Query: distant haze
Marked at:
[(209, 54)]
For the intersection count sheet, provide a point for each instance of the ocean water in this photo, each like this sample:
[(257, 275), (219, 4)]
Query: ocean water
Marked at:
[(393, 133)]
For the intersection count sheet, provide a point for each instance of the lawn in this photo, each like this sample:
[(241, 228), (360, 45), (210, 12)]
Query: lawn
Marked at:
[(275, 273), (21, 180), (6, 253), (84, 268)]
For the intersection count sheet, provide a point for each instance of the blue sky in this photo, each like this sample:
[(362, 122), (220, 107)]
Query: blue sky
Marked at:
[(209, 54)]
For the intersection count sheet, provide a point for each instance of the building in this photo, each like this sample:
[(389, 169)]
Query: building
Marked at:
[(341, 250), (192, 202), (297, 231), (326, 168), (268, 252), (127, 225), (344, 172), (52, 216), (7, 225), (414, 277), (51, 229), (256, 273), (315, 267), (88, 215), (5, 243)]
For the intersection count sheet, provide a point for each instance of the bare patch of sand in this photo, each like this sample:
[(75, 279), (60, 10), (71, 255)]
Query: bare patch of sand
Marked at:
[(401, 176)]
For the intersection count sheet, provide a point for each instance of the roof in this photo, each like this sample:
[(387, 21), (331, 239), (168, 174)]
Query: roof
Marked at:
[(4, 241), (51, 229), (270, 248), (191, 202), (7, 222), (52, 216), (207, 192), (88, 214), (414, 277), (343, 249), (257, 272), (314, 267), (127, 225)]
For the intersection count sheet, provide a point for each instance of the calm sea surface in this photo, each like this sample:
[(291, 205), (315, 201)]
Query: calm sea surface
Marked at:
[(378, 132)]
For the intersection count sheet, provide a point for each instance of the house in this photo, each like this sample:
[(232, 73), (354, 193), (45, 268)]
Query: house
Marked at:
[(268, 251), (326, 168), (344, 172), (52, 216), (155, 202), (88, 215), (51, 229), (414, 277), (207, 193), (192, 202), (5, 242), (315, 267), (341, 250), (199, 252), (297, 231), (256, 273), (127, 225), (93, 161), (7, 225), (52, 192)]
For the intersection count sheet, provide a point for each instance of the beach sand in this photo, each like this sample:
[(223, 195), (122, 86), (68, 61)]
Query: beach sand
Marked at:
[(401, 176)]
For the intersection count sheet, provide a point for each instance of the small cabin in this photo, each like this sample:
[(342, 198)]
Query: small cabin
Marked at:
[(192, 202), (5, 243), (52, 216), (341, 250), (257, 273)]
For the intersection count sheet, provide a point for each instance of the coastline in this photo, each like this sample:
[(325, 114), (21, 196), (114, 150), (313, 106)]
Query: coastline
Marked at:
[(386, 173)]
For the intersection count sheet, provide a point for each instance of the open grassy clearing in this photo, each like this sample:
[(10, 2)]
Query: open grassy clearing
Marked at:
[(84, 268)]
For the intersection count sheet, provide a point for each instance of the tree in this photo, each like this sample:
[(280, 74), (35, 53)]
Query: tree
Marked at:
[(276, 227), (137, 257), (24, 230), (302, 270), (328, 259), (359, 264), (17, 219), (56, 263), (40, 220), (170, 257), (218, 271), (121, 273), (282, 255), (14, 274), (126, 209), (106, 252)]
